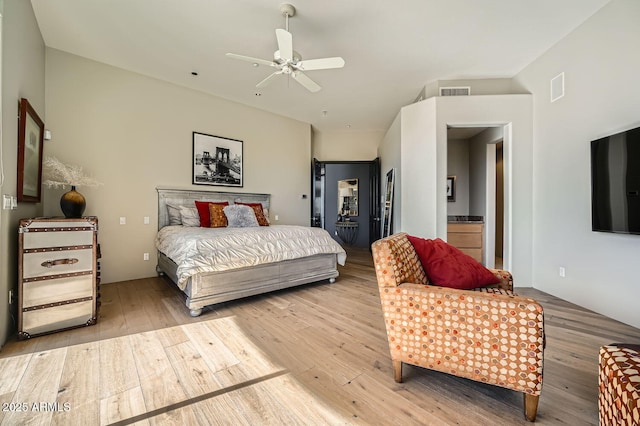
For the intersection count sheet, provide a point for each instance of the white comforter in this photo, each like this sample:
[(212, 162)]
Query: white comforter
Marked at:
[(196, 249)]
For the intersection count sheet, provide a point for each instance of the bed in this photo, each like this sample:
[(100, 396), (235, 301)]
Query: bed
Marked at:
[(264, 258)]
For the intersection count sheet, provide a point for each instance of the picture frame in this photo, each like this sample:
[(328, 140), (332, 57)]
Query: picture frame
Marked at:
[(217, 160), (30, 144), (451, 189), (387, 206)]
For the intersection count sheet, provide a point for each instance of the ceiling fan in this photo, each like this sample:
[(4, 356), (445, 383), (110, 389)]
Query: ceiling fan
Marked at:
[(288, 61)]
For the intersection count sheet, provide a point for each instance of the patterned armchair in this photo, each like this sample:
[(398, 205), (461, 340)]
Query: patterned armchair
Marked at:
[(489, 335)]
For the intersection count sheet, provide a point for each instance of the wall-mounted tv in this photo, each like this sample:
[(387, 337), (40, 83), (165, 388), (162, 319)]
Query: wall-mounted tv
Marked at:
[(615, 183)]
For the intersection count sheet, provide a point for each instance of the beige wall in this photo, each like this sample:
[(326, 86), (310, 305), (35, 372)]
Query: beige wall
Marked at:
[(346, 145), (601, 62), (134, 133), (22, 77)]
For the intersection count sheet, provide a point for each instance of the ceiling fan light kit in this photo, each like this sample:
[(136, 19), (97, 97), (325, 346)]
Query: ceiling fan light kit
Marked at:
[(288, 61)]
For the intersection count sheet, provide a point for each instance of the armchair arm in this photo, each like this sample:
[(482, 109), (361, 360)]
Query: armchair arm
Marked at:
[(506, 279), (491, 338)]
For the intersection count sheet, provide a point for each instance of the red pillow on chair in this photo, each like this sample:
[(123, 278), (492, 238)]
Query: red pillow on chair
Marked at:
[(447, 266)]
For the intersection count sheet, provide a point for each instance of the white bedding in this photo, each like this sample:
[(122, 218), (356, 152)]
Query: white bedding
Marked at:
[(196, 249)]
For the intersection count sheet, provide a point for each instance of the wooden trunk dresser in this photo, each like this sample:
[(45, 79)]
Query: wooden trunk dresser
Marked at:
[(58, 274)]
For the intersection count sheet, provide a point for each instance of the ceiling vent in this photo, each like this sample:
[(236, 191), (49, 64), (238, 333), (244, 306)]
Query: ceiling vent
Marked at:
[(455, 91)]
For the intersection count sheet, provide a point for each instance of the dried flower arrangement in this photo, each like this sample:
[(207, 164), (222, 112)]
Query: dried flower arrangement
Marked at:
[(59, 174)]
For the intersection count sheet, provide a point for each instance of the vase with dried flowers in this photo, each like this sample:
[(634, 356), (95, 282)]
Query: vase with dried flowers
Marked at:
[(59, 174)]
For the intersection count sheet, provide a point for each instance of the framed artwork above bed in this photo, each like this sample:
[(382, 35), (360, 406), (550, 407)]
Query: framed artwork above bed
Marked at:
[(216, 160)]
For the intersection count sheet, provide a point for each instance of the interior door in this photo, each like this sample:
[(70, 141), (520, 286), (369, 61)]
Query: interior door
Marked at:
[(317, 199), (375, 205)]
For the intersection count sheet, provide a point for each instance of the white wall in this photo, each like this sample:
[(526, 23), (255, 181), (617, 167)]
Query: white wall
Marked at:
[(600, 60), (485, 86), (390, 158), (134, 133), (423, 145), (23, 76), (346, 145), (420, 168)]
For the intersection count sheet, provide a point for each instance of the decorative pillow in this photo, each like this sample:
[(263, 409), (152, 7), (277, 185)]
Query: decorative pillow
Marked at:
[(203, 211), (174, 214), (447, 266), (240, 216), (189, 216), (259, 211), (217, 216)]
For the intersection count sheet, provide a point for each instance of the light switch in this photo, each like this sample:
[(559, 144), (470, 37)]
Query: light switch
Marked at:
[(123, 220), (146, 220)]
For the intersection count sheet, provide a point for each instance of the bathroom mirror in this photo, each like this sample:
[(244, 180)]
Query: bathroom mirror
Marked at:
[(348, 197)]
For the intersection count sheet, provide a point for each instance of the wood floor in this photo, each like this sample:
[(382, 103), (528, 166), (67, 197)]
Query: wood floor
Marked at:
[(315, 354)]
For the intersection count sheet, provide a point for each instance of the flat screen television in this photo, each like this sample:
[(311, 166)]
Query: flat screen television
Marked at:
[(615, 183)]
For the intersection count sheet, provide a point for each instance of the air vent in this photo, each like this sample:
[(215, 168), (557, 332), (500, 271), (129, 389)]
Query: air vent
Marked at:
[(455, 91)]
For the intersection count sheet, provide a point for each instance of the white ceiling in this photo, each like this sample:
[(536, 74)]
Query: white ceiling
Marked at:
[(391, 48)]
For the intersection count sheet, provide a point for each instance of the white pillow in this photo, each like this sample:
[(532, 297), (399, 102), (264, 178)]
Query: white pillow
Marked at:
[(239, 216), (174, 214), (189, 216)]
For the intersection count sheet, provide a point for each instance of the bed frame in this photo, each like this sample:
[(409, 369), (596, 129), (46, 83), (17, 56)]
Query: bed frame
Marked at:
[(215, 287)]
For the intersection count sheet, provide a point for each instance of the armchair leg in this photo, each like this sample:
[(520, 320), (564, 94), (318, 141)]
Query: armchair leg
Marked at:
[(530, 406), (397, 371)]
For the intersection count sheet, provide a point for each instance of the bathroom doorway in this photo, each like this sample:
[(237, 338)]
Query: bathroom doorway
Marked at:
[(475, 156)]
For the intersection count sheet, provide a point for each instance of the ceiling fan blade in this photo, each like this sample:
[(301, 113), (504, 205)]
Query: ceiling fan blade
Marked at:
[(309, 84), (266, 81), (320, 64), (250, 59), (285, 44)]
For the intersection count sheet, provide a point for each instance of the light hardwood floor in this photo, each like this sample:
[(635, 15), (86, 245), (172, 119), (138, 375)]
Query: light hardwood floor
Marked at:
[(315, 354)]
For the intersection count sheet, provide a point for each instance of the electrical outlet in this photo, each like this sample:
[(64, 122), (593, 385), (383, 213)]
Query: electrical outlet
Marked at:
[(562, 272), (276, 217), (145, 220), (145, 256), (123, 220)]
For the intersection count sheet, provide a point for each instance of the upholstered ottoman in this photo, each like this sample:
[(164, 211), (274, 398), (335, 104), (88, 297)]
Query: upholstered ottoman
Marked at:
[(619, 380)]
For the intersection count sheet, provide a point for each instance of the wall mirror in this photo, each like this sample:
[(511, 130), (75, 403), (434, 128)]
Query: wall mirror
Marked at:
[(387, 224), (348, 197)]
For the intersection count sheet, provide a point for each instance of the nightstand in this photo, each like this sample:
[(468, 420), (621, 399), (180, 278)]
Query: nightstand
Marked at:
[(58, 274)]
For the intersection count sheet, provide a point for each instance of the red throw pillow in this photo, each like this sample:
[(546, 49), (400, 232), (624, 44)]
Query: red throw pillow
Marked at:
[(203, 211), (447, 266), (259, 211)]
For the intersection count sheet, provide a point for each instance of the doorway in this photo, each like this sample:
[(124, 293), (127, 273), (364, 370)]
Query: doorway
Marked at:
[(346, 200), (499, 241), (476, 156)]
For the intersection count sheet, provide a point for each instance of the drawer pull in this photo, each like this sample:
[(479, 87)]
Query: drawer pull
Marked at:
[(52, 263)]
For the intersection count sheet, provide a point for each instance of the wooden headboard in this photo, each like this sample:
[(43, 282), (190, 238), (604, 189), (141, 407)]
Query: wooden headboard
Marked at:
[(187, 197)]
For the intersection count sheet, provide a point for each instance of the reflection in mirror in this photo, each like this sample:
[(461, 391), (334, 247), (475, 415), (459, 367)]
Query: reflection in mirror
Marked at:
[(348, 198), (387, 224)]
